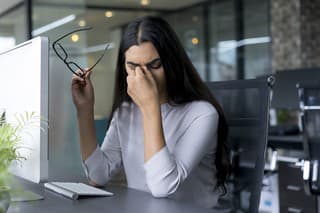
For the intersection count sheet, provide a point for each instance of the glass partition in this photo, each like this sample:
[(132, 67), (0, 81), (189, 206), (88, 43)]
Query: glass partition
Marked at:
[(189, 26), (53, 19), (257, 41), (12, 28), (222, 41)]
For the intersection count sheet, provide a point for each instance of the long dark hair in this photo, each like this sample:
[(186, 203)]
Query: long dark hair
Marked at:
[(182, 80)]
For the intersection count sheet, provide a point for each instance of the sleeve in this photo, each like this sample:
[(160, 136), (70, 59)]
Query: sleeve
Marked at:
[(104, 162), (165, 171)]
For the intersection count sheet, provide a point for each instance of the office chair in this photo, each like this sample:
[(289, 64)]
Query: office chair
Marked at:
[(309, 101), (246, 107)]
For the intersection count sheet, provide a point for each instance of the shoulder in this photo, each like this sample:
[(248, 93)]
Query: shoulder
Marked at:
[(124, 110), (200, 109), (193, 112)]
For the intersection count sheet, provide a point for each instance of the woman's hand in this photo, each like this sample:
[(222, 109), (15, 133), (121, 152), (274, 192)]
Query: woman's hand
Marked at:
[(142, 88), (82, 91)]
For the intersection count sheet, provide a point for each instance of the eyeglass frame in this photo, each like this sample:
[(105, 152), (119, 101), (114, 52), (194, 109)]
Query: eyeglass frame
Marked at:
[(64, 59)]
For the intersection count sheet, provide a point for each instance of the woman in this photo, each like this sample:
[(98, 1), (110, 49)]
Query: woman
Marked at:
[(167, 130)]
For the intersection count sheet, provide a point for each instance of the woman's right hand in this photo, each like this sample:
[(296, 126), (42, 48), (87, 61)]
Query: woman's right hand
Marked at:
[(82, 91)]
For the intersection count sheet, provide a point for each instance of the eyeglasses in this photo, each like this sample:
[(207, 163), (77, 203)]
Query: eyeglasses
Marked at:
[(63, 55)]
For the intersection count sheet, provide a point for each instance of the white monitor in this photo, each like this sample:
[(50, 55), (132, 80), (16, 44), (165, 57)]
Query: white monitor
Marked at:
[(24, 88)]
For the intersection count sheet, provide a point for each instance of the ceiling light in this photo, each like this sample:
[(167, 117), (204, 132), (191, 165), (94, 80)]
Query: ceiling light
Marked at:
[(108, 14), (145, 2), (75, 37), (195, 18), (82, 23), (195, 41)]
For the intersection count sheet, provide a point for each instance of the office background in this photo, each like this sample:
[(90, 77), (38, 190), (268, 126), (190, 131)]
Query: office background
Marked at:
[(225, 39)]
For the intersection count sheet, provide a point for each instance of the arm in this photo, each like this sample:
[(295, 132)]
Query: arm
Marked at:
[(87, 132), (143, 90), (154, 139), (83, 99), (165, 171), (104, 162), (98, 165)]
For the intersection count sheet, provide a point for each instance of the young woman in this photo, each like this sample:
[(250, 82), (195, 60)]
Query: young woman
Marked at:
[(167, 130)]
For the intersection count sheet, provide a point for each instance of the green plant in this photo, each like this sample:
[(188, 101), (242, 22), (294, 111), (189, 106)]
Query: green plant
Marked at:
[(10, 136)]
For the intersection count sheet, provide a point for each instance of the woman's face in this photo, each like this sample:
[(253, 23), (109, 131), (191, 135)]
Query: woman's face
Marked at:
[(146, 56)]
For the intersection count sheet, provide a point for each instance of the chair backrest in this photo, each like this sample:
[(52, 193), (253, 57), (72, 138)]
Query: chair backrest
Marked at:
[(246, 107), (309, 101)]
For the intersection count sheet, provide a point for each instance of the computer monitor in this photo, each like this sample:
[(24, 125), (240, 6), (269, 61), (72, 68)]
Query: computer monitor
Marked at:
[(24, 88)]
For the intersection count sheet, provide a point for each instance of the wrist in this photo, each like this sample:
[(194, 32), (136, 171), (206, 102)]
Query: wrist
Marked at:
[(150, 109), (85, 112)]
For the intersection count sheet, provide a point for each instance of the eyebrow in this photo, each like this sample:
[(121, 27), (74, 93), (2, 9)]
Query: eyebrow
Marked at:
[(151, 62)]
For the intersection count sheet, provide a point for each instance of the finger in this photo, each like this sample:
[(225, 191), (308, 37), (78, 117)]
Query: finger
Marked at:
[(87, 69), (78, 84), (79, 72), (129, 85), (148, 74), (140, 71), (88, 74), (131, 72), (129, 79), (76, 78)]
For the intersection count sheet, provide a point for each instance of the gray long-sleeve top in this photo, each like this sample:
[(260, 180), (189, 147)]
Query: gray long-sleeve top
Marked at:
[(184, 169)]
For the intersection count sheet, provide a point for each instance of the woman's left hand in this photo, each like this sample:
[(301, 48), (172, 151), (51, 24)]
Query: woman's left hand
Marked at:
[(142, 88)]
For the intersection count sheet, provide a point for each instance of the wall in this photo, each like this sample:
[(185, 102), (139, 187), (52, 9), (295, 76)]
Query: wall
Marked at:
[(294, 31)]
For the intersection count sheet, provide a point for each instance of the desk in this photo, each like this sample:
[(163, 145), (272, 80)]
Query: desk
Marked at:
[(124, 201)]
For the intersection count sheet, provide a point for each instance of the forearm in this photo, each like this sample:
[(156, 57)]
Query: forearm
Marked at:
[(88, 141), (154, 139)]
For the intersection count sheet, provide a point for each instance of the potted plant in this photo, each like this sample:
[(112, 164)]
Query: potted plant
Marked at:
[(10, 136)]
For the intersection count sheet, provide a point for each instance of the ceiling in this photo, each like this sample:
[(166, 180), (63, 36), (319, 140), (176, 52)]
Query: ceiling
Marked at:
[(92, 11), (154, 4), (46, 11)]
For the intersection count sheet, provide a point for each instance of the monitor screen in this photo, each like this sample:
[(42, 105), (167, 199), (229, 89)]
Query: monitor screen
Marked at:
[(24, 88)]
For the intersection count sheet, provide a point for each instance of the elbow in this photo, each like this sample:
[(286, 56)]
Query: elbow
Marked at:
[(161, 193), (163, 190), (97, 182), (93, 183)]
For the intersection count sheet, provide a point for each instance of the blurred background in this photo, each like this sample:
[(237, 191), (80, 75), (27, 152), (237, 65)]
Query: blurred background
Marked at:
[(225, 40)]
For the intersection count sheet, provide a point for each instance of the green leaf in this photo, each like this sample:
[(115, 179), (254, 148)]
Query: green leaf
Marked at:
[(10, 136)]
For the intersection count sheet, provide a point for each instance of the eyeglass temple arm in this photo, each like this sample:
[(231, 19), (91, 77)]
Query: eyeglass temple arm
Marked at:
[(62, 37), (105, 50)]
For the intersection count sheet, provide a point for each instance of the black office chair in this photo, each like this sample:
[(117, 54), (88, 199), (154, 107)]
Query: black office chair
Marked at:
[(246, 107), (309, 98)]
